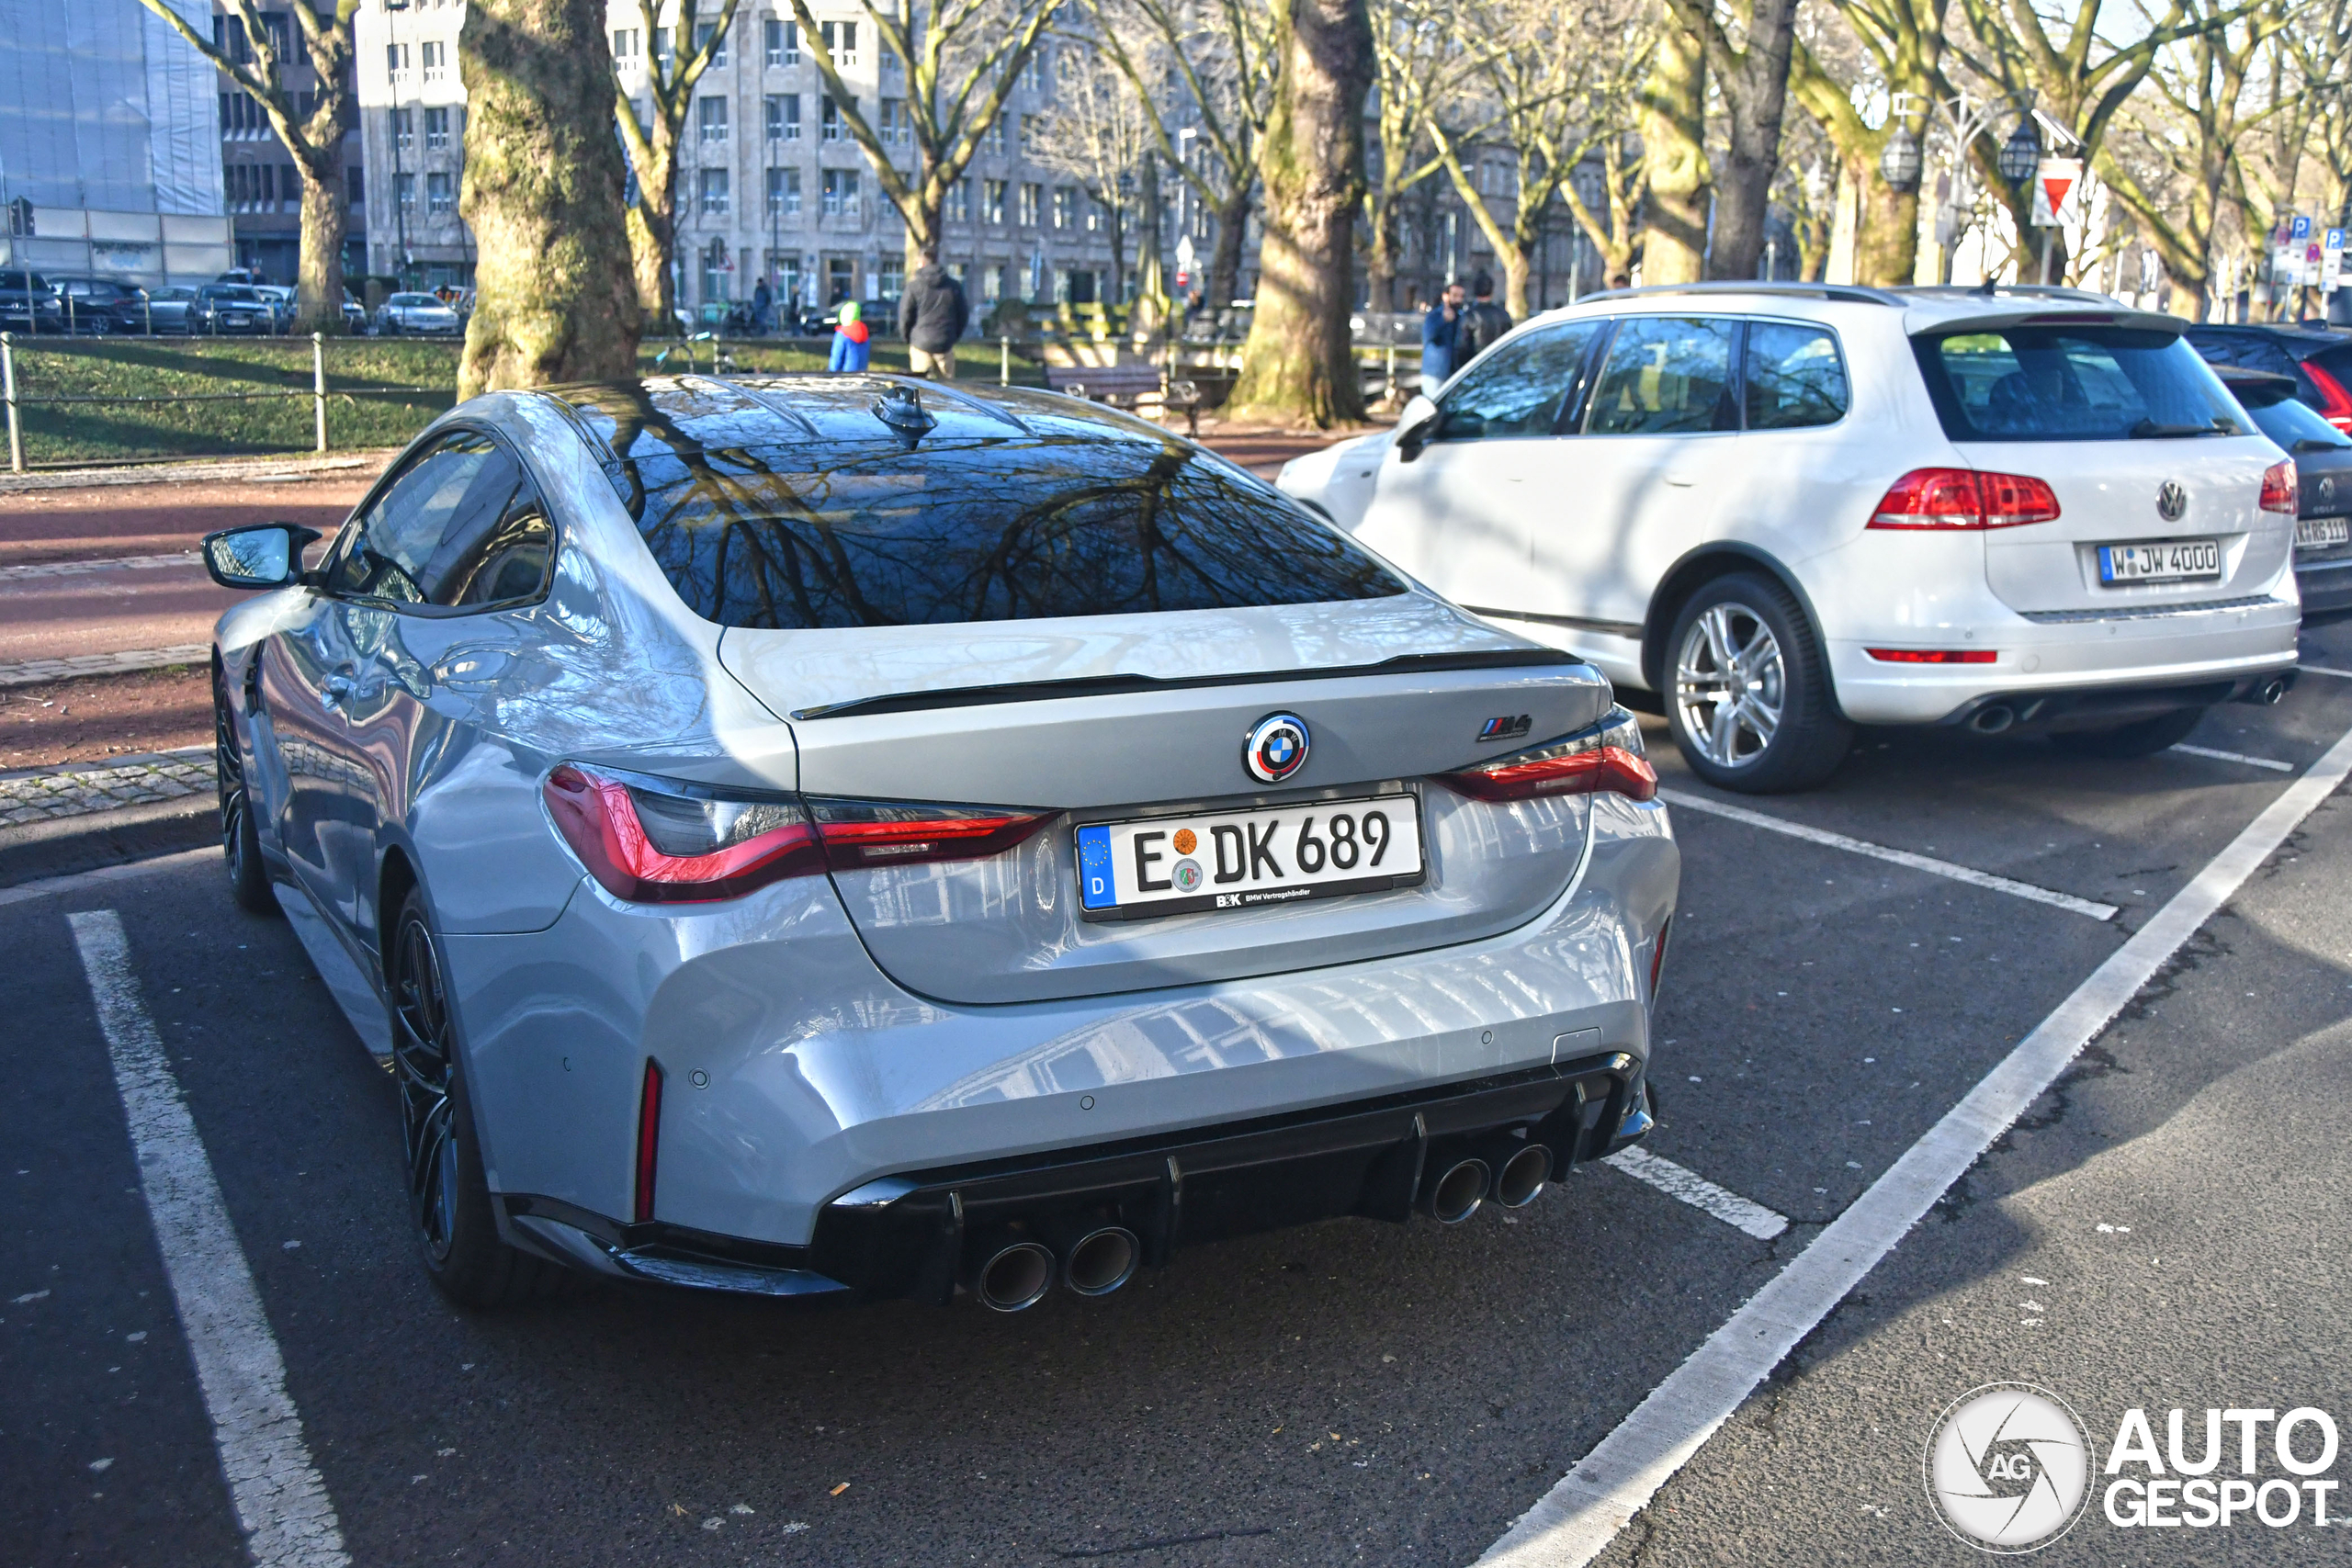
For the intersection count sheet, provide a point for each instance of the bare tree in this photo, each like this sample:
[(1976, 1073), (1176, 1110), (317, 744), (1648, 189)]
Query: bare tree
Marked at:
[(1610, 213), (555, 300), (1902, 45), (1216, 60), (1299, 363), (315, 138), (1556, 94), (1097, 138), (1420, 61), (1752, 78), (670, 76), (959, 60), (1674, 155)]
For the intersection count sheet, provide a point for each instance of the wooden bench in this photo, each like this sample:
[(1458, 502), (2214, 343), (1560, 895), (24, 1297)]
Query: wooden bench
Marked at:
[(1136, 387)]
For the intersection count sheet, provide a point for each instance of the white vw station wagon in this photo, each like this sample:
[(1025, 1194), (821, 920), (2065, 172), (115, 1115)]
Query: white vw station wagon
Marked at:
[(1786, 509)]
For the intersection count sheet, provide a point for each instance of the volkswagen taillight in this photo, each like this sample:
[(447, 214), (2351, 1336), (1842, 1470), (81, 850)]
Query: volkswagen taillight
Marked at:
[(1964, 498), (2334, 401), (2278, 488), (1606, 757), (665, 840)]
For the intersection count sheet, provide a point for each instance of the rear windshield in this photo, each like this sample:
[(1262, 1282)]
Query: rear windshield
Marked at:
[(991, 530), (2289, 420), (2072, 383)]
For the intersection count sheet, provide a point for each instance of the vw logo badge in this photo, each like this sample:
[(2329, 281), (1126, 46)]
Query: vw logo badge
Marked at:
[(1276, 748), (2171, 501), (2327, 497)]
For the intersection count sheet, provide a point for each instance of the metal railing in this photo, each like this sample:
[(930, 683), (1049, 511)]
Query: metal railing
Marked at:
[(317, 393)]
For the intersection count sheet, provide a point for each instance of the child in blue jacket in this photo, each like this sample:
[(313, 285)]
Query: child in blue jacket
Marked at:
[(851, 348)]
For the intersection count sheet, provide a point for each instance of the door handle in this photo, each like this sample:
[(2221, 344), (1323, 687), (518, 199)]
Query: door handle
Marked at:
[(336, 688)]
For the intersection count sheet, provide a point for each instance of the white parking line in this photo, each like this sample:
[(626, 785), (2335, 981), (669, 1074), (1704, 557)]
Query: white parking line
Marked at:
[(1575, 1522), (1680, 1182), (2235, 757), (288, 1520), (1928, 864)]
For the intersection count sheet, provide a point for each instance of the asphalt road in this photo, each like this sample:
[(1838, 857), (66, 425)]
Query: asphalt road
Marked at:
[(1348, 1394)]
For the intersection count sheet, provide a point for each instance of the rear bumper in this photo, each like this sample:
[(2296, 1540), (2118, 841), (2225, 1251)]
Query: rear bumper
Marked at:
[(2325, 586), (797, 1073), (2218, 646), (911, 1236)]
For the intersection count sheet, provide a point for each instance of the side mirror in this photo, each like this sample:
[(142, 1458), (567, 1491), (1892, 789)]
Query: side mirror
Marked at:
[(261, 555), (1414, 427)]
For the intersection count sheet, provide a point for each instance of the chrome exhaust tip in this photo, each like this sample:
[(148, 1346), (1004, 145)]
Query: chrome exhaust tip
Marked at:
[(1992, 720), (1455, 1192), (1519, 1180), (1012, 1274), (2274, 691), (1101, 1260)]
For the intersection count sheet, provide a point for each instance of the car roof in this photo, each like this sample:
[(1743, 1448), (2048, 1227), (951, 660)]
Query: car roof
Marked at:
[(686, 416), (1923, 308)]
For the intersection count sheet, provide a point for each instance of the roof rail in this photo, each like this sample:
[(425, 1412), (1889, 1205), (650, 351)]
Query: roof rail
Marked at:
[(1852, 293), (1989, 290)]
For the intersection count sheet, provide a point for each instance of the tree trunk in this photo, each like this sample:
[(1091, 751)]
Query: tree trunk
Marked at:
[(1887, 245), (1380, 259), (930, 202), (318, 292), (1148, 320), (1755, 100), (1518, 265), (1299, 364), (555, 299), (1222, 286), (653, 232), (1674, 104)]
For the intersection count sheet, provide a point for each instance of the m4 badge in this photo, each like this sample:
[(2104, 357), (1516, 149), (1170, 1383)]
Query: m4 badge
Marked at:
[(1506, 727)]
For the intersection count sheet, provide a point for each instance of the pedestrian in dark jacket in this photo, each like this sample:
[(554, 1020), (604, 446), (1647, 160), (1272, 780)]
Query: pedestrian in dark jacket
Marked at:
[(933, 314), (1439, 329), (1482, 324)]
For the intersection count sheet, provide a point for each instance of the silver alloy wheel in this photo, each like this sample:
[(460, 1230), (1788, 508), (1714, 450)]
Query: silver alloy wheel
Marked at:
[(1730, 687)]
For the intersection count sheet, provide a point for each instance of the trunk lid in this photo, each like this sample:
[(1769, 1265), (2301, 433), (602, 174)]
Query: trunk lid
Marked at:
[(1111, 717)]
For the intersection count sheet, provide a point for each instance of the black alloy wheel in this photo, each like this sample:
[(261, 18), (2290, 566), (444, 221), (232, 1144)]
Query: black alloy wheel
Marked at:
[(240, 834), (449, 1194)]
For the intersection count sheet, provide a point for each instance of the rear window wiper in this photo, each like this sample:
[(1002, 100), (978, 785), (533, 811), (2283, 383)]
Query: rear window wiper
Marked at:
[(2149, 430)]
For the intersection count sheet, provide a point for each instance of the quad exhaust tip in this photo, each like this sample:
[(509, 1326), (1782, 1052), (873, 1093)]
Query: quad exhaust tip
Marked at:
[(1012, 1275), (1457, 1192), (1519, 1180), (1101, 1260), (1992, 720)]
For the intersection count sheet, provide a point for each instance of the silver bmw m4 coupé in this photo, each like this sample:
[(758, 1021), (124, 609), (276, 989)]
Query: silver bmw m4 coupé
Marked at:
[(848, 838)]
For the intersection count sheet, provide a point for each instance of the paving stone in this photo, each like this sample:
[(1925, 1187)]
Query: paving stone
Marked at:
[(76, 792)]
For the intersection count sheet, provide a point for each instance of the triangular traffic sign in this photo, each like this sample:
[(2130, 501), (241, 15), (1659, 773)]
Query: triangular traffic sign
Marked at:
[(2055, 187)]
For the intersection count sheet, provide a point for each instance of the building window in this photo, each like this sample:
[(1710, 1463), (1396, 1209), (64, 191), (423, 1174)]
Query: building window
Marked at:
[(840, 42), (663, 53), (1098, 217), (1029, 127), (783, 193), (716, 274), (992, 284), (1031, 197), (702, 31), (841, 193), (440, 195), (783, 116), (994, 140), (436, 61), (959, 201), (712, 112), (436, 131), (395, 61), (828, 121), (892, 277), (404, 192), (628, 43), (1064, 207), (713, 186), (404, 130), (355, 187), (896, 130), (892, 66), (993, 201), (1033, 70), (784, 272), (784, 43)]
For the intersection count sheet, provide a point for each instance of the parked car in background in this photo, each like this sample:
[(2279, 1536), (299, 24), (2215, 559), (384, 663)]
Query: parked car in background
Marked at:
[(2322, 456), (1100, 857), (99, 305), (171, 308), (354, 314), (1790, 509), (2318, 360), (281, 305), (225, 309), (28, 304), (419, 315)]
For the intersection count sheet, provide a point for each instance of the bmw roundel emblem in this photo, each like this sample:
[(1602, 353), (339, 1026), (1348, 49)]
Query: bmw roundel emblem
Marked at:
[(1276, 748)]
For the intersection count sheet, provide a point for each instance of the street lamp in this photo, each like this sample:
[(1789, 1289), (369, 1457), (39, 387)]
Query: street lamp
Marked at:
[(2021, 153), (1900, 162)]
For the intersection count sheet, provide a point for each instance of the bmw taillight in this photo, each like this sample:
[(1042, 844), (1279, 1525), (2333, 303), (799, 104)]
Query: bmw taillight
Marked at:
[(665, 841), (1964, 498), (1605, 758), (2278, 488), (861, 834)]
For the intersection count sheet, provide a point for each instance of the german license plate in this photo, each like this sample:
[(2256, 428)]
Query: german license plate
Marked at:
[(1240, 859), (2317, 532), (2175, 560)]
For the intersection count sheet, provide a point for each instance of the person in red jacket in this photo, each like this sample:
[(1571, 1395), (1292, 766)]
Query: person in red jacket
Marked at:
[(851, 348)]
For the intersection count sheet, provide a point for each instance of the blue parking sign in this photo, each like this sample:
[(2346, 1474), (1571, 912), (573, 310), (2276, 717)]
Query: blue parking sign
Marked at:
[(2302, 227)]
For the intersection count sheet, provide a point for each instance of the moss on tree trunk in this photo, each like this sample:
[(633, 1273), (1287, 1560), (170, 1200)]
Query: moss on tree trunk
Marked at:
[(556, 298), (1299, 365), (1674, 102)]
